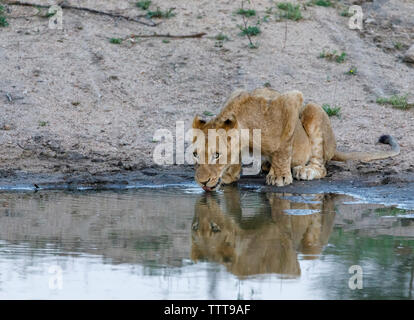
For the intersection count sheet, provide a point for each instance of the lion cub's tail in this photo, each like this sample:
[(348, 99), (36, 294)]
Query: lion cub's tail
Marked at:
[(369, 156)]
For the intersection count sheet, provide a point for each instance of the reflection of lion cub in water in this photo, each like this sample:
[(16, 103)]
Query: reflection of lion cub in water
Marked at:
[(292, 136), (266, 244)]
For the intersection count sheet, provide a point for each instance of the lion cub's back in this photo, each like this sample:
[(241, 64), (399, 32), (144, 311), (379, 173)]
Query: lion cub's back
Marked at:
[(266, 93)]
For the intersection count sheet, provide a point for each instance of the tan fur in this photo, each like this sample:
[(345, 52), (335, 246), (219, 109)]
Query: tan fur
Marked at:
[(293, 138), (267, 245)]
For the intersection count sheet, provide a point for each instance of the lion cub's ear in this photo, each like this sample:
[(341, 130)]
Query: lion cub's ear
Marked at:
[(230, 122), (198, 123)]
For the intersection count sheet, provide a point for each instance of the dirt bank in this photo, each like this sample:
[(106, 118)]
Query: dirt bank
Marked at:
[(72, 104)]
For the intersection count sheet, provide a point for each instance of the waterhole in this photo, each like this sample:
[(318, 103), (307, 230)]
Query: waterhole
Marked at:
[(183, 243)]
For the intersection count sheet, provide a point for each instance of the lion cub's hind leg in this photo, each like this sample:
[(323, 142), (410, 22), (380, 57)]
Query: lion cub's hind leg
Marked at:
[(313, 117)]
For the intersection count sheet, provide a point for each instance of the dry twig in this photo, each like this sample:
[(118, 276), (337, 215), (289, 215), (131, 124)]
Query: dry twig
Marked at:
[(142, 19), (167, 35)]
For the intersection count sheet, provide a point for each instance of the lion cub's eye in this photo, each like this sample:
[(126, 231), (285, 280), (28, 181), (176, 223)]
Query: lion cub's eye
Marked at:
[(195, 154), (217, 155)]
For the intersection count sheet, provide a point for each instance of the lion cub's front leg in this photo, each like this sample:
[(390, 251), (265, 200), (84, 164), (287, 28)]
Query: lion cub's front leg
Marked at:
[(285, 115), (280, 173), (231, 174)]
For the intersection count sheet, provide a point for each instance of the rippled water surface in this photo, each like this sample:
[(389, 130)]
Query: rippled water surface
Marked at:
[(180, 243)]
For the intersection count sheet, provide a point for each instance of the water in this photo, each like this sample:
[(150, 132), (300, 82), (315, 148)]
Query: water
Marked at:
[(181, 243)]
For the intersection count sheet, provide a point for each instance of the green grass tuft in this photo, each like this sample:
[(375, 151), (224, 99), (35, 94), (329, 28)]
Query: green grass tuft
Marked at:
[(290, 11), (115, 40), (246, 12), (144, 5), (399, 102), (250, 31), (161, 14), (333, 56), (3, 20), (341, 58), (398, 45), (392, 211), (221, 37), (323, 3), (331, 111), (345, 13)]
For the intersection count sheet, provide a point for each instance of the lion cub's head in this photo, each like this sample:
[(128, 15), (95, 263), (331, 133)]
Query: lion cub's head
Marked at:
[(213, 150)]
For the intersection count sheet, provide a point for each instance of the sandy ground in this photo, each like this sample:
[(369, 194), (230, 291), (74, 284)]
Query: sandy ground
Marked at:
[(80, 104)]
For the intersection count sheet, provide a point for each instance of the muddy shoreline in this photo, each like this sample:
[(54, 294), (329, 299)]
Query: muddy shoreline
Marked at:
[(383, 187)]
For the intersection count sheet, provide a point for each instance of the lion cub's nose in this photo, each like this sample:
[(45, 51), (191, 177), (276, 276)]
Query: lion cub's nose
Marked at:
[(204, 183)]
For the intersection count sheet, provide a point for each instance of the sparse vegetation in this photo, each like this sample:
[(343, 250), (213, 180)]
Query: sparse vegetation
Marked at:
[(331, 111), (115, 40), (220, 40), (158, 13), (399, 102), (345, 13), (208, 113), (161, 14), (323, 3), (246, 12), (392, 211), (165, 41), (3, 20), (250, 31), (266, 18), (251, 45), (221, 37), (43, 123), (398, 45), (341, 58), (333, 56), (290, 11), (267, 85), (144, 5), (352, 71)]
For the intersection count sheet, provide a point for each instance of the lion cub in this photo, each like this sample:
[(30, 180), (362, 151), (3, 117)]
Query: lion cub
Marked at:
[(293, 138)]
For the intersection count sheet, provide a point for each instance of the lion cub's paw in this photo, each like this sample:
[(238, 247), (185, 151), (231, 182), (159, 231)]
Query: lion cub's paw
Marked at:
[(231, 175), (228, 179), (280, 181), (308, 172)]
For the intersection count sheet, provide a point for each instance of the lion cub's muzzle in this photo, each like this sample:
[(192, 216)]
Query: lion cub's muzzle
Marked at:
[(206, 187)]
